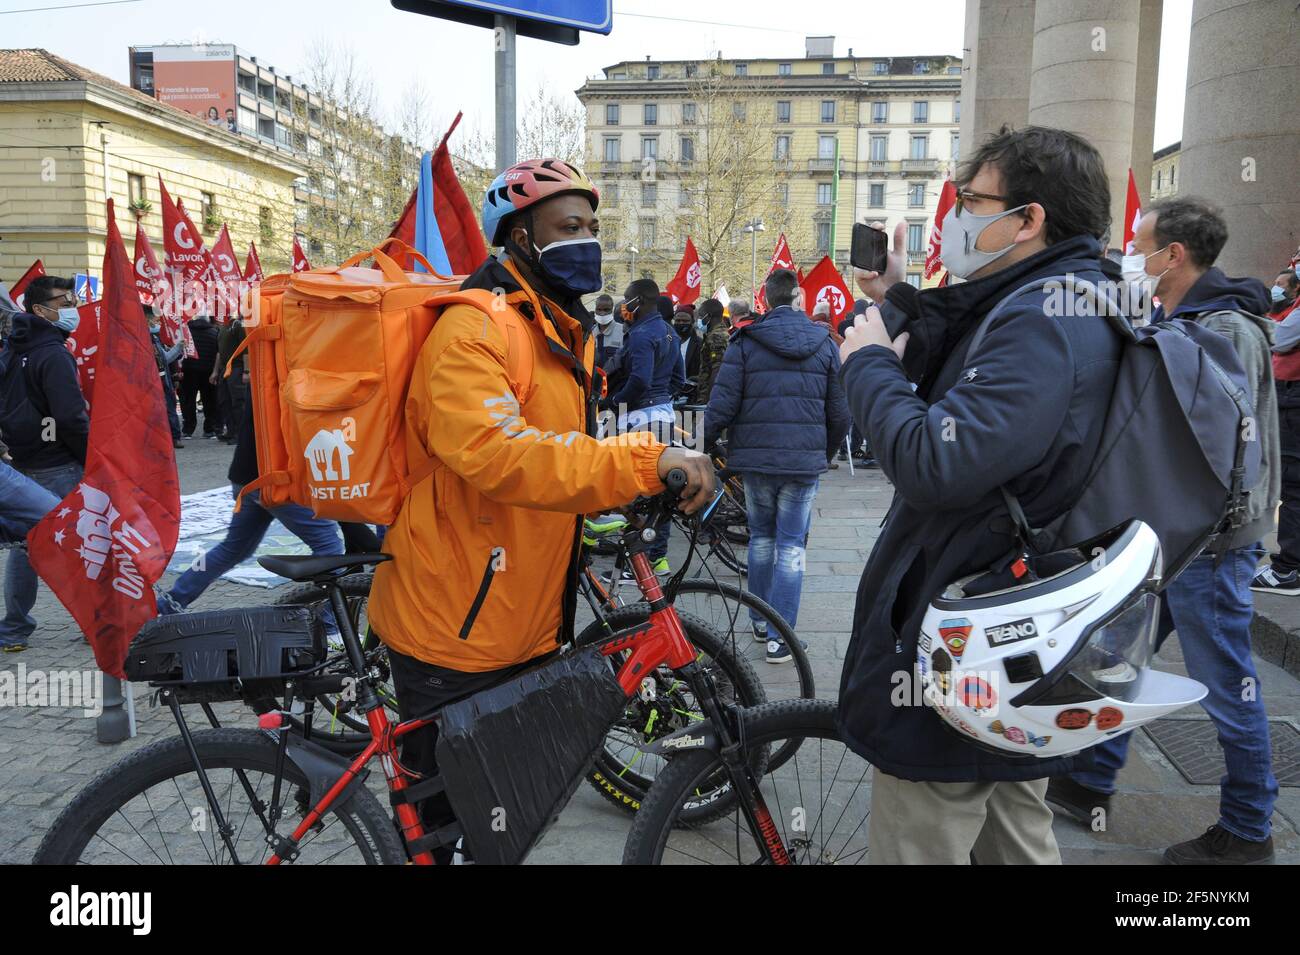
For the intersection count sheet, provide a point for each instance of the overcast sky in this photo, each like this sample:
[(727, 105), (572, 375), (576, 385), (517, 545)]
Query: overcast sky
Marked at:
[(455, 61)]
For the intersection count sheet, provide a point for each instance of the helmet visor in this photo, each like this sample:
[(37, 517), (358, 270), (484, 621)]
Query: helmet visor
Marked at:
[(1118, 651)]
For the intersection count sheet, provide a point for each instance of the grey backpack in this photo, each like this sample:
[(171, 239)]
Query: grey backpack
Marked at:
[(1179, 448)]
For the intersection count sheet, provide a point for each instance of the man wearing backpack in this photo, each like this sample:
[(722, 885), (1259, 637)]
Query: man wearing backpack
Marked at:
[(483, 583), (43, 419), (1024, 410), (1175, 247)]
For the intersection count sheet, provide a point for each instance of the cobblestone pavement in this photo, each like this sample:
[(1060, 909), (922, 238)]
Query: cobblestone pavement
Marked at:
[(47, 754)]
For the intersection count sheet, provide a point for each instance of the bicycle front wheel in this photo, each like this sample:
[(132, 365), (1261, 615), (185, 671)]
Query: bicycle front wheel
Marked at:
[(818, 800), (150, 809)]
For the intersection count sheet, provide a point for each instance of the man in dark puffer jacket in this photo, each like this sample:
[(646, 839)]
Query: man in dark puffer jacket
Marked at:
[(778, 394)]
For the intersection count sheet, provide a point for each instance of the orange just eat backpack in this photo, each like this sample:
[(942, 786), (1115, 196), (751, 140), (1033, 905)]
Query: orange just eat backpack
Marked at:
[(331, 354)]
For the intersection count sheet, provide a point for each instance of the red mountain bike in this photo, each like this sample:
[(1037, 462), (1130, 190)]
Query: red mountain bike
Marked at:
[(270, 795)]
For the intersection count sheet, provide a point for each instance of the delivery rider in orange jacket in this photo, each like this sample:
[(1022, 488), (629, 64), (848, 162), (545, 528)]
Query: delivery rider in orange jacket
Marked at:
[(483, 579)]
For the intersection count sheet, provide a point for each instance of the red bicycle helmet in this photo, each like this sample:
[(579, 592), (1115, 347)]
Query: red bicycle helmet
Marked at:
[(527, 183)]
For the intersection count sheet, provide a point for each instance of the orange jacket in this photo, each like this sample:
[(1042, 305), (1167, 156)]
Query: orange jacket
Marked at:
[(483, 548)]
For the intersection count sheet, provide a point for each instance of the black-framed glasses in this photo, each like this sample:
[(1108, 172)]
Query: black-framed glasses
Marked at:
[(964, 195)]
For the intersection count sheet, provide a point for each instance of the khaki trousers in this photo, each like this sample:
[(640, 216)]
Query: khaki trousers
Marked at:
[(923, 823)]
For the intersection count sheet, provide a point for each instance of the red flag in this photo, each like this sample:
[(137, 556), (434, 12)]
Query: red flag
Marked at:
[(685, 286), (300, 263), (84, 346), (947, 199), (145, 264), (825, 284), (188, 265), (36, 270), (1132, 212), (252, 265), (781, 259), (228, 277), (457, 222), (102, 550)]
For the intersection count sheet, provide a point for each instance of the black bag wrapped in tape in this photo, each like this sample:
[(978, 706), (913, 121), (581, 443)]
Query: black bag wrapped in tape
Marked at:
[(511, 756)]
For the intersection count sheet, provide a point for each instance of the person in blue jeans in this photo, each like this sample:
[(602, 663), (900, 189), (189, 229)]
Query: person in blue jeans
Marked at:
[(248, 526), (652, 361), (23, 503), (1175, 247), (778, 397)]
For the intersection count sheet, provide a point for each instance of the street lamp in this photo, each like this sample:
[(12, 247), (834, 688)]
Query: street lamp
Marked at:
[(753, 227), (632, 274)]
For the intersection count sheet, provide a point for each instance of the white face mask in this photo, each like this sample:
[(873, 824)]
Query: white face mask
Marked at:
[(603, 319), (1134, 270), (960, 233)]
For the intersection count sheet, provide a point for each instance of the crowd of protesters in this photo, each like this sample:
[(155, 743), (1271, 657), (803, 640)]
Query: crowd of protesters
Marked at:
[(788, 391)]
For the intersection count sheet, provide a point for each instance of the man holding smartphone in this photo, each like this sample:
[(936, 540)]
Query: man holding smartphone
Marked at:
[(1023, 410)]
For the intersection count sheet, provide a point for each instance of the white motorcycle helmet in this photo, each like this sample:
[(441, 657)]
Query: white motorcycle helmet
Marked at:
[(1054, 664)]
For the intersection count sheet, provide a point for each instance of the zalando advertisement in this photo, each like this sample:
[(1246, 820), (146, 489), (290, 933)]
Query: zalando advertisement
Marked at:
[(199, 80)]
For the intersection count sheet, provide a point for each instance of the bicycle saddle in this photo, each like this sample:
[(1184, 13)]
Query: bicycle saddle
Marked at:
[(319, 569)]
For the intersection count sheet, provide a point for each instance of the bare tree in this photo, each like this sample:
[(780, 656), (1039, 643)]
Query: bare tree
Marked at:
[(734, 177)]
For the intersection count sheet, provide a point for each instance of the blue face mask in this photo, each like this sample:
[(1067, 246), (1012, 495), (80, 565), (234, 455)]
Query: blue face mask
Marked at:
[(68, 320), (1278, 293), (571, 265)]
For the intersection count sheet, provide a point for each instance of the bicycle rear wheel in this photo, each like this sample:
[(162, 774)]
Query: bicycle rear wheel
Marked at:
[(149, 809), (819, 800)]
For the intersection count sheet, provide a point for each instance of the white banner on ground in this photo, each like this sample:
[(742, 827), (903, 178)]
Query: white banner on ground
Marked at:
[(204, 519)]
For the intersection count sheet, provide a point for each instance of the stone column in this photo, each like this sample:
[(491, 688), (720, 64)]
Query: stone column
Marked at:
[(1241, 135), (1144, 96), (1083, 79), (995, 68)]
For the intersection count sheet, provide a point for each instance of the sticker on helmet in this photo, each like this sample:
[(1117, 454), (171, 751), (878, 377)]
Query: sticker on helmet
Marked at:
[(1012, 632), (923, 643), (1075, 718), (976, 693), (1014, 734), (1108, 717), (955, 634)]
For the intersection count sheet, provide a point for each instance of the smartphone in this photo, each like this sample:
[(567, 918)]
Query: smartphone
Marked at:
[(870, 248)]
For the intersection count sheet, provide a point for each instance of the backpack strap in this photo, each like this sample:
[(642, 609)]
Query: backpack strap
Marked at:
[(520, 356), (1104, 307)]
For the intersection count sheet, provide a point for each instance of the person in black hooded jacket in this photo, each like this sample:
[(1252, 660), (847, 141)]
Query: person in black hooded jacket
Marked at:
[(1024, 410), (43, 419)]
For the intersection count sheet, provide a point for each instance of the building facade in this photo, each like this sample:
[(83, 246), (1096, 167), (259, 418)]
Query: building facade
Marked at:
[(70, 137), (827, 140), (1164, 171), (357, 175)]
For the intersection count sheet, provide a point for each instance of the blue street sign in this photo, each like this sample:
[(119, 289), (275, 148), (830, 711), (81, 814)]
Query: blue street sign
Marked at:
[(86, 287), (555, 20), (594, 16)]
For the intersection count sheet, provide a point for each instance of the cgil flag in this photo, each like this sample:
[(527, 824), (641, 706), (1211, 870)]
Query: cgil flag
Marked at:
[(781, 259), (825, 284), (188, 267), (18, 292), (300, 263), (1132, 213), (438, 220), (947, 199), (685, 285), (252, 265), (103, 548)]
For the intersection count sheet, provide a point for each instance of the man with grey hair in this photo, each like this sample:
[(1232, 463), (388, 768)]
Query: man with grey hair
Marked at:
[(1175, 247), (739, 313)]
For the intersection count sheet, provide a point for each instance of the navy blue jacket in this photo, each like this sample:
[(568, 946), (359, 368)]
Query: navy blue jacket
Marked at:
[(778, 396), (652, 358), (1026, 410), (38, 380)]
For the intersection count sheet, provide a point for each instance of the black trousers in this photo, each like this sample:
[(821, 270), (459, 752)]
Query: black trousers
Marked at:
[(195, 385), (1288, 523), (421, 688)]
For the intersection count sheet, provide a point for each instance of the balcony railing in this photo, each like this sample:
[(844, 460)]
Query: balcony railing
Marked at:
[(821, 165), (926, 166)]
